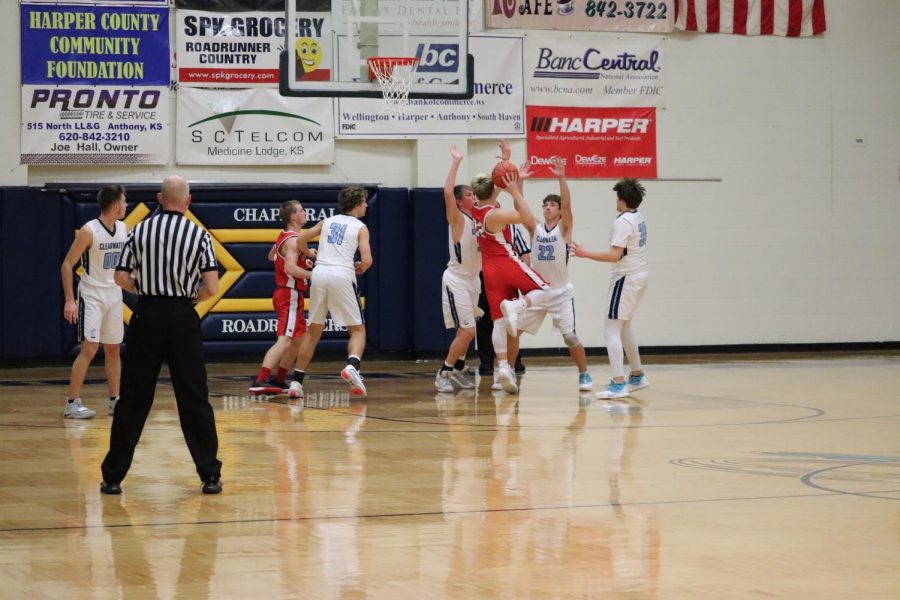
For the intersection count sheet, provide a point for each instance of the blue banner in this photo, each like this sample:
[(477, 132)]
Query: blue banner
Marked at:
[(95, 45)]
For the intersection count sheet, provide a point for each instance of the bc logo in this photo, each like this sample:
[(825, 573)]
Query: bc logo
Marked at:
[(437, 58)]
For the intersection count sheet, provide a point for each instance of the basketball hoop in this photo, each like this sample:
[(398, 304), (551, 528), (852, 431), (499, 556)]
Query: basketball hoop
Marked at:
[(394, 74)]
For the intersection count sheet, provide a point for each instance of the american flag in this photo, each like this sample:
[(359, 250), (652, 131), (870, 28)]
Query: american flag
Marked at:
[(791, 18)]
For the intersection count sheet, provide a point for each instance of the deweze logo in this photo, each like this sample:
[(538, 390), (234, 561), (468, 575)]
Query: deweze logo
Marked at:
[(593, 159), (630, 161), (437, 58), (576, 125)]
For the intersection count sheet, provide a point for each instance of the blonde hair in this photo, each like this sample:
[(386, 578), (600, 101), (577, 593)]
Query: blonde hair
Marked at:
[(483, 186)]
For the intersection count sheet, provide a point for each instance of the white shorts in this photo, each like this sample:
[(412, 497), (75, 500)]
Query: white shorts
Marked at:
[(334, 290), (624, 295), (562, 311), (459, 296), (100, 315)]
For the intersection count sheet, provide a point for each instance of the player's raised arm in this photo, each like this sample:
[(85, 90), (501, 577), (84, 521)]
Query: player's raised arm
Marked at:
[(454, 216), (558, 168), (306, 236), (515, 190), (82, 242), (365, 251)]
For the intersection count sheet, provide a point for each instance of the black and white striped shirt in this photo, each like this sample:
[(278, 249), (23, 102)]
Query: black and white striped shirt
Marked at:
[(167, 253), (518, 241)]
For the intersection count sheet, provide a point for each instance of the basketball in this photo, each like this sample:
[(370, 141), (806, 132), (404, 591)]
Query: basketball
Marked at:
[(500, 170)]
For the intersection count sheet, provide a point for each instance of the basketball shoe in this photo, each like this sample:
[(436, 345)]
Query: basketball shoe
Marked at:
[(511, 310), (443, 382), (614, 390), (507, 380), (352, 376), (295, 389), (464, 380), (75, 410), (585, 382), (637, 382), (112, 405), (269, 386)]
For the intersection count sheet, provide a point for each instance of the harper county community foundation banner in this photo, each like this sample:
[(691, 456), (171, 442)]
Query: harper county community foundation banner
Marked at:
[(252, 127), (593, 102), (95, 84)]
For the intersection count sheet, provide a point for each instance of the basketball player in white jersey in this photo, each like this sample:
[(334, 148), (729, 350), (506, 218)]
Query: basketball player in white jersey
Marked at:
[(333, 286), (460, 283), (628, 282), (550, 258), (98, 310)]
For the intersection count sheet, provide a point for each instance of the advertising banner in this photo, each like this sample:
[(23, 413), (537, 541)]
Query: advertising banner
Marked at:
[(87, 125), (582, 15), (592, 71), (95, 45), (595, 143), (231, 5), (497, 109), (216, 49), (252, 127)]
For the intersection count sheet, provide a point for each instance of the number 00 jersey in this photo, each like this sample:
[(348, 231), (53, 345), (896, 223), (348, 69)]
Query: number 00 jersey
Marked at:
[(100, 260), (550, 254)]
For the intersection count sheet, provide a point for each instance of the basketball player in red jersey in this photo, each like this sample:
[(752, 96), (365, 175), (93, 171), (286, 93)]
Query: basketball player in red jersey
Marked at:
[(505, 274), (290, 283)]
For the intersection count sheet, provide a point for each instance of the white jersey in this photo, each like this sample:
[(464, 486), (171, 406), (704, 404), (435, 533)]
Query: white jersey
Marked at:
[(100, 260), (550, 254), (465, 255), (629, 231), (338, 241)]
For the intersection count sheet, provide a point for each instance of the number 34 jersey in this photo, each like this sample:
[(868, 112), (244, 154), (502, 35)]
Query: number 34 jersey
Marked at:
[(550, 254), (100, 260)]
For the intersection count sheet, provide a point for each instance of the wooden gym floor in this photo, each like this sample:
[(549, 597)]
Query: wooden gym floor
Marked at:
[(767, 476)]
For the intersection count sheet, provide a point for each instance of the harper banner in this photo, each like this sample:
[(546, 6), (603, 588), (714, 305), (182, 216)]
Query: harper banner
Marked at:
[(595, 143)]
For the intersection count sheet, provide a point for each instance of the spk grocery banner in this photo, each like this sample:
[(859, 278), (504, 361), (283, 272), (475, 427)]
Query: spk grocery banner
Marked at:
[(216, 49), (655, 16), (252, 127), (590, 70), (595, 143), (95, 45), (94, 125)]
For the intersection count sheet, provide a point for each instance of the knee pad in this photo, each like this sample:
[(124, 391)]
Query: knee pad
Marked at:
[(571, 339), (498, 336)]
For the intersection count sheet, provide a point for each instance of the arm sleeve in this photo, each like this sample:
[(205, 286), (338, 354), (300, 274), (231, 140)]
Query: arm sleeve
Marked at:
[(207, 254)]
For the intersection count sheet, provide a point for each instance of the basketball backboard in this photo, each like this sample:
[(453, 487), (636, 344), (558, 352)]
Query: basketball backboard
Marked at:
[(327, 48)]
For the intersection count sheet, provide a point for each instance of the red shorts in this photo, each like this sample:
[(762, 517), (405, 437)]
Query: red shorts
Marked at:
[(504, 277), (289, 309)]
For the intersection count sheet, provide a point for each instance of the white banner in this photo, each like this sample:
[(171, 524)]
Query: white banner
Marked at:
[(216, 49), (496, 110), (252, 127), (88, 125), (590, 70), (582, 15)]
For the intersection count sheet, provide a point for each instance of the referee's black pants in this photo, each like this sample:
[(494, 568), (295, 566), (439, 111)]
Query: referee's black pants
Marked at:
[(167, 329)]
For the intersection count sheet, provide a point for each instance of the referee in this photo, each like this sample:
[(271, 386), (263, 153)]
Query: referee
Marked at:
[(170, 263)]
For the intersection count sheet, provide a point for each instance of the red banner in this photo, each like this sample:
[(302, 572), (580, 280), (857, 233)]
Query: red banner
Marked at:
[(596, 143)]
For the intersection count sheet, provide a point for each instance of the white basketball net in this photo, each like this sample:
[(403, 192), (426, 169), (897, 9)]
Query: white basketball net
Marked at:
[(395, 76)]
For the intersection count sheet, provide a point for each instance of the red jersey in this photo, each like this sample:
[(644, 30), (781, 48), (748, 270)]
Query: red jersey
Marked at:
[(282, 279), (492, 245)]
